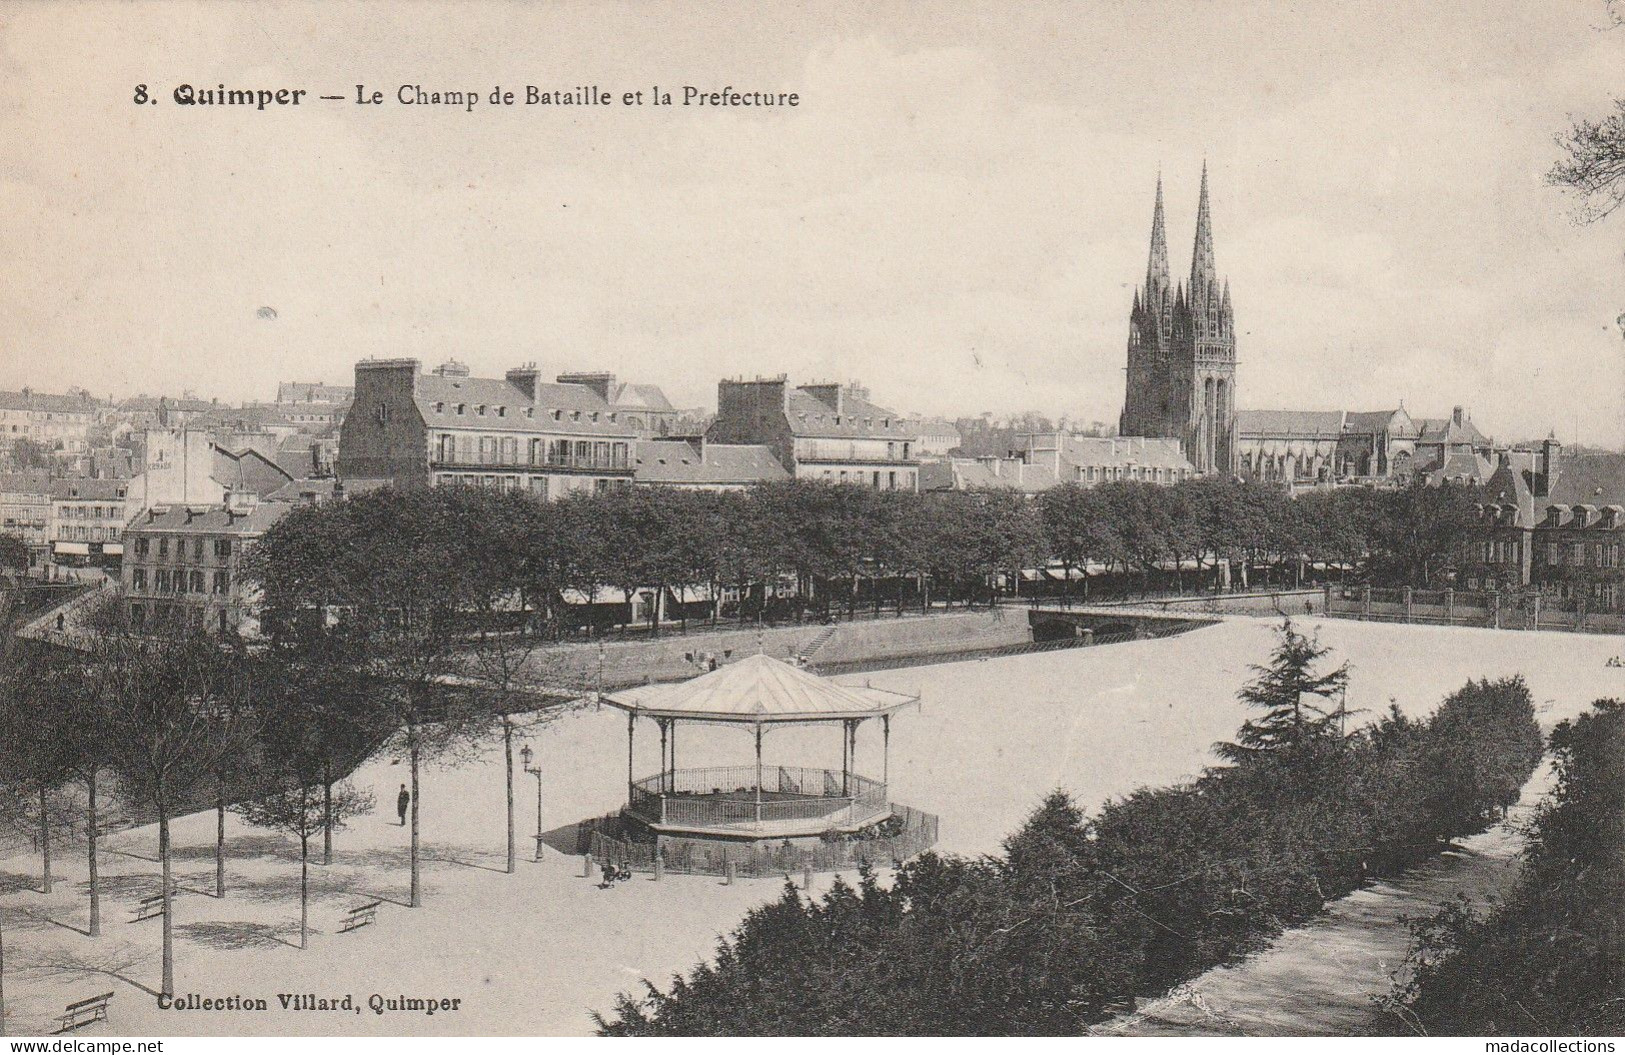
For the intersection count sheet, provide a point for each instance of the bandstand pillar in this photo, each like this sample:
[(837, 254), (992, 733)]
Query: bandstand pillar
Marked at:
[(665, 726), (885, 751), (758, 773)]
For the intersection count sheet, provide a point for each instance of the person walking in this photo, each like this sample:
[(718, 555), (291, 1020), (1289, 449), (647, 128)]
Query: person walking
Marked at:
[(402, 802)]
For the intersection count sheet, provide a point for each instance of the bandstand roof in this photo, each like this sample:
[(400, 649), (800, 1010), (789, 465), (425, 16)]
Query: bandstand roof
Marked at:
[(759, 689)]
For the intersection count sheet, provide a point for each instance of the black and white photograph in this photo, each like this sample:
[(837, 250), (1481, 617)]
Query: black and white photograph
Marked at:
[(812, 519)]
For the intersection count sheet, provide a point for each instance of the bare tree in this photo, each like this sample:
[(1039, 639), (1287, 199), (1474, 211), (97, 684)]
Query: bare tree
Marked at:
[(1593, 163), (178, 707), (294, 803)]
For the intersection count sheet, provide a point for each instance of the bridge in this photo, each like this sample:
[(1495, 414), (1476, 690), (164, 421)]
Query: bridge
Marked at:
[(1103, 624)]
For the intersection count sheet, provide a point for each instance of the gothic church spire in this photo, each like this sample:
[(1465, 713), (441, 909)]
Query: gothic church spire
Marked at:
[(1203, 272), (1156, 268)]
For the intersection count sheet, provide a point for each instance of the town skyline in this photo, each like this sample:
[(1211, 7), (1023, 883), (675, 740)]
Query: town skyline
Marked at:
[(957, 204)]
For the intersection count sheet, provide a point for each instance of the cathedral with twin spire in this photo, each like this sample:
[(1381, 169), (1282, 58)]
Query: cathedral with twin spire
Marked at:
[(1182, 352)]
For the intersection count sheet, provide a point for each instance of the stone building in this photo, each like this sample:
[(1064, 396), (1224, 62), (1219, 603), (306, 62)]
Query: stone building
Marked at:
[(55, 423), (1094, 460), (1553, 523), (695, 464), (827, 432), (1181, 381), (87, 522), (25, 511), (518, 432), (186, 561), (1377, 447)]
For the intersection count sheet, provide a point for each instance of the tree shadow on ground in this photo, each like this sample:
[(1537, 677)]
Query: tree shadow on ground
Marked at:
[(238, 846), (41, 917), (235, 934), (325, 885), (15, 882), (117, 961), (434, 853)]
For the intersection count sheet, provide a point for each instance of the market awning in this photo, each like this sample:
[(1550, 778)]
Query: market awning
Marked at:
[(73, 549)]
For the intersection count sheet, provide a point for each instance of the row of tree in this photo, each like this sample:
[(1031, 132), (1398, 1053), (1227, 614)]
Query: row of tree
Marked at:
[(837, 544), (1079, 914), (141, 724)]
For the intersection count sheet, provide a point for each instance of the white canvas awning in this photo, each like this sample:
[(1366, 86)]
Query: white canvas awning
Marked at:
[(74, 549)]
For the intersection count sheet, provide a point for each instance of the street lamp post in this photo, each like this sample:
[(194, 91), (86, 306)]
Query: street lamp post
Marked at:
[(525, 755)]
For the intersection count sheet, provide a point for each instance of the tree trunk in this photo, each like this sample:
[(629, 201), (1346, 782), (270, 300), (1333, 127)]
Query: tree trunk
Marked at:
[(304, 886), (90, 842), (327, 820), (167, 986), (507, 754), (417, 893), (45, 839), (219, 839)]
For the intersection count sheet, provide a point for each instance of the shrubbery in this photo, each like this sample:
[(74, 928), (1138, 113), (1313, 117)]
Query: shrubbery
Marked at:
[(1551, 960), (1079, 915)]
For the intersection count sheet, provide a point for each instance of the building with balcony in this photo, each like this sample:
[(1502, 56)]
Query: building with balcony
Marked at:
[(445, 428), (823, 432), (87, 522)]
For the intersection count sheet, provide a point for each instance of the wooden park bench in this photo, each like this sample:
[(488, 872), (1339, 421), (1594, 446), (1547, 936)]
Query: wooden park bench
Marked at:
[(360, 916), (148, 908), (84, 1012)]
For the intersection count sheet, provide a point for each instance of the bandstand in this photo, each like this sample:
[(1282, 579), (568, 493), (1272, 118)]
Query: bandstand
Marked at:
[(759, 804)]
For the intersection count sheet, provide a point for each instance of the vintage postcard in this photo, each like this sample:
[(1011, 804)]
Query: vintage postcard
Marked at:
[(812, 519)]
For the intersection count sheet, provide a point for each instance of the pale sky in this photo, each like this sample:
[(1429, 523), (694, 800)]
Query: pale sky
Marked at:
[(956, 214)]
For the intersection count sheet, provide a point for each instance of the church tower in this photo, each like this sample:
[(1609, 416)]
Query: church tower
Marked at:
[(1182, 351)]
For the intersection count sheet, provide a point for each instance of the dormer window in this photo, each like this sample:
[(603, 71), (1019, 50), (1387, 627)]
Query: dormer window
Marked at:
[(502, 412), (462, 408), (558, 415), (480, 410), (595, 415), (575, 415), (440, 408), (530, 412)]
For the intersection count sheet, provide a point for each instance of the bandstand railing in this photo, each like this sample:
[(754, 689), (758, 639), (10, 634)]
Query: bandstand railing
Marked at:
[(728, 797)]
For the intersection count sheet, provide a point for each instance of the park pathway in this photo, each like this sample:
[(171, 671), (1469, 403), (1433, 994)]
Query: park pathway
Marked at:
[(1323, 979)]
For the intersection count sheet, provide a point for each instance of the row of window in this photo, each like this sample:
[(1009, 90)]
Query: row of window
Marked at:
[(90, 512), (1097, 474), (82, 533), (889, 480), (1499, 551), (1581, 554), (500, 411), (853, 450), (540, 486), (180, 581), (466, 449), (144, 545)]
